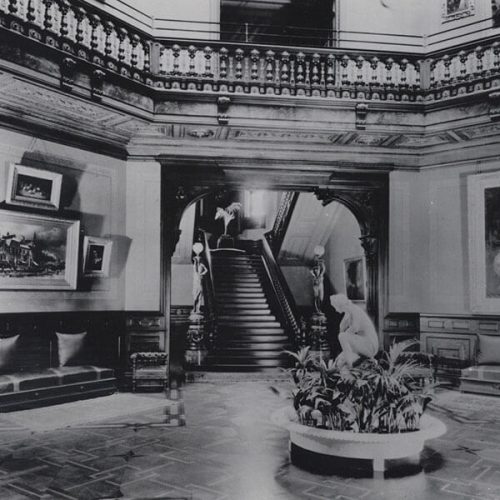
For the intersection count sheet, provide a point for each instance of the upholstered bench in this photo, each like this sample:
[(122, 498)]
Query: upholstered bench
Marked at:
[(25, 390), (44, 369), (484, 379), (484, 376)]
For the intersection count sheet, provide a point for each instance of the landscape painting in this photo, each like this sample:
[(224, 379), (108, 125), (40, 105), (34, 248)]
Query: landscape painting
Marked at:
[(37, 252)]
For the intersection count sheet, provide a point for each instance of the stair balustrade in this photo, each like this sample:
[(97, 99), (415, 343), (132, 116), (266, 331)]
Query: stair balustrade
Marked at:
[(283, 294), (276, 236), (209, 294), (89, 35)]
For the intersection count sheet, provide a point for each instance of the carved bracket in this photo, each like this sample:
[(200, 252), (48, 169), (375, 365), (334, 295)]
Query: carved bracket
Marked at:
[(223, 103), (67, 68), (361, 112), (97, 81)]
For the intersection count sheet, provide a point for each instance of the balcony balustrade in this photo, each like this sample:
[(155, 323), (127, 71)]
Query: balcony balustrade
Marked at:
[(85, 33)]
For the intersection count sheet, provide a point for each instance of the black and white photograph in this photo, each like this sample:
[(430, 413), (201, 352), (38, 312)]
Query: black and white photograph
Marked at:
[(97, 256), (250, 249)]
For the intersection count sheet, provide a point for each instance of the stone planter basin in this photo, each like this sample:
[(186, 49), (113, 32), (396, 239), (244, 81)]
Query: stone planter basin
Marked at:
[(352, 445)]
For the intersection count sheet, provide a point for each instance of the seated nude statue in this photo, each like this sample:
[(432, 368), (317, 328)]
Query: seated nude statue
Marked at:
[(357, 334)]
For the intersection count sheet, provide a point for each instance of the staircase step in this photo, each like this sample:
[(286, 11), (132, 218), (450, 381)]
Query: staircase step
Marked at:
[(235, 353), (244, 311), (251, 330), (245, 363), (240, 289), (257, 346), (241, 295), (240, 318), (249, 324), (244, 301)]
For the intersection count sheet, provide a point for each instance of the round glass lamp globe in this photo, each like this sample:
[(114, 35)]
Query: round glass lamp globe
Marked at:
[(319, 251), (197, 248)]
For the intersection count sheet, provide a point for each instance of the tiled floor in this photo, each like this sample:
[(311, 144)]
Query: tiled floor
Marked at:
[(230, 450)]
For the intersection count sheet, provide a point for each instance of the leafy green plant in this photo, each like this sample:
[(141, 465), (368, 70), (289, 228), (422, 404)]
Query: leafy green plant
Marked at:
[(377, 395), (227, 214)]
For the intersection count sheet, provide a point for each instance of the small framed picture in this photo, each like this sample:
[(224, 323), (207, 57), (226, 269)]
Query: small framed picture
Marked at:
[(32, 187), (457, 9), (355, 281), (96, 256)]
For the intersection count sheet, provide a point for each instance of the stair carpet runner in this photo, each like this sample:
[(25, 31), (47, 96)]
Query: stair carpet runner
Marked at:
[(250, 337)]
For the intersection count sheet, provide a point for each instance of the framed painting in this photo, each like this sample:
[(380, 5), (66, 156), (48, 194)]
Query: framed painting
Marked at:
[(457, 9), (354, 277), (38, 252), (32, 187), (96, 256), (483, 193)]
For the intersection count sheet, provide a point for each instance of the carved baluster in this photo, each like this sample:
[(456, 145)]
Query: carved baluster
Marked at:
[(108, 43), (269, 66), (134, 56), (374, 62), (446, 63), (147, 57), (389, 63), (207, 53), (238, 55), (80, 14), (432, 69), (14, 8), (122, 37), (496, 52), (299, 78), (48, 21), (95, 22), (418, 69), (479, 52), (192, 55), (162, 66), (31, 12), (403, 66), (344, 62), (176, 52), (285, 67), (463, 56), (254, 68), (360, 61), (223, 58), (64, 8), (330, 71), (315, 69)]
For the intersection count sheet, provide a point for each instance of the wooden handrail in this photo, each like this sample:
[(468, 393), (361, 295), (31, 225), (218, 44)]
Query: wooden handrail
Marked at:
[(276, 236), (282, 293)]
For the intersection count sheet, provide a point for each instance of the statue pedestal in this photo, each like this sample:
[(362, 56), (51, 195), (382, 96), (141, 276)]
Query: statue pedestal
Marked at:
[(318, 336), (196, 349)]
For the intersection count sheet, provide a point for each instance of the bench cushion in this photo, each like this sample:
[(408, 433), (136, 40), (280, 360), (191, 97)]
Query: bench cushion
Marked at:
[(482, 372), (52, 377)]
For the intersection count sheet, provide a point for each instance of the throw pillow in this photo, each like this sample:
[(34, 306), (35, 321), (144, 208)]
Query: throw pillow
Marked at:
[(489, 350), (7, 352), (71, 348)]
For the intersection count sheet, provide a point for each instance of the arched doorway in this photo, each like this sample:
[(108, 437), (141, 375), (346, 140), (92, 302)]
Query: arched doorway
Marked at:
[(365, 197)]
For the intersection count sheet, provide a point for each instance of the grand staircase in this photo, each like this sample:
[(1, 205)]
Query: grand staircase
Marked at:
[(250, 337)]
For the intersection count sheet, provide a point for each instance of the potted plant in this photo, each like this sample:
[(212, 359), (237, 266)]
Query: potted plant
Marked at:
[(373, 410), (227, 215)]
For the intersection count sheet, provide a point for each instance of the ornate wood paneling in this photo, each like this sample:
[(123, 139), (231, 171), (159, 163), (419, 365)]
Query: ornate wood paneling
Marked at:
[(398, 327)]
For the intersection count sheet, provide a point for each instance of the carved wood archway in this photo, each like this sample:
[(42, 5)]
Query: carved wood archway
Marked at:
[(366, 200)]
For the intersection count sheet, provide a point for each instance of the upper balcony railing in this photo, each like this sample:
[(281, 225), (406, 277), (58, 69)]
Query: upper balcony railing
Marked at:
[(88, 34)]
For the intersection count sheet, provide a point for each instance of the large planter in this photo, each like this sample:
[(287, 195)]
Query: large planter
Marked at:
[(351, 445)]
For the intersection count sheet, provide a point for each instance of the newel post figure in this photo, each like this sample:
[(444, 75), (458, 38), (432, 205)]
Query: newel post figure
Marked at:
[(197, 349), (318, 329)]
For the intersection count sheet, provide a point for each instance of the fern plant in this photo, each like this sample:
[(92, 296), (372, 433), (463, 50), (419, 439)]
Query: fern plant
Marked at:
[(227, 214), (378, 395)]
